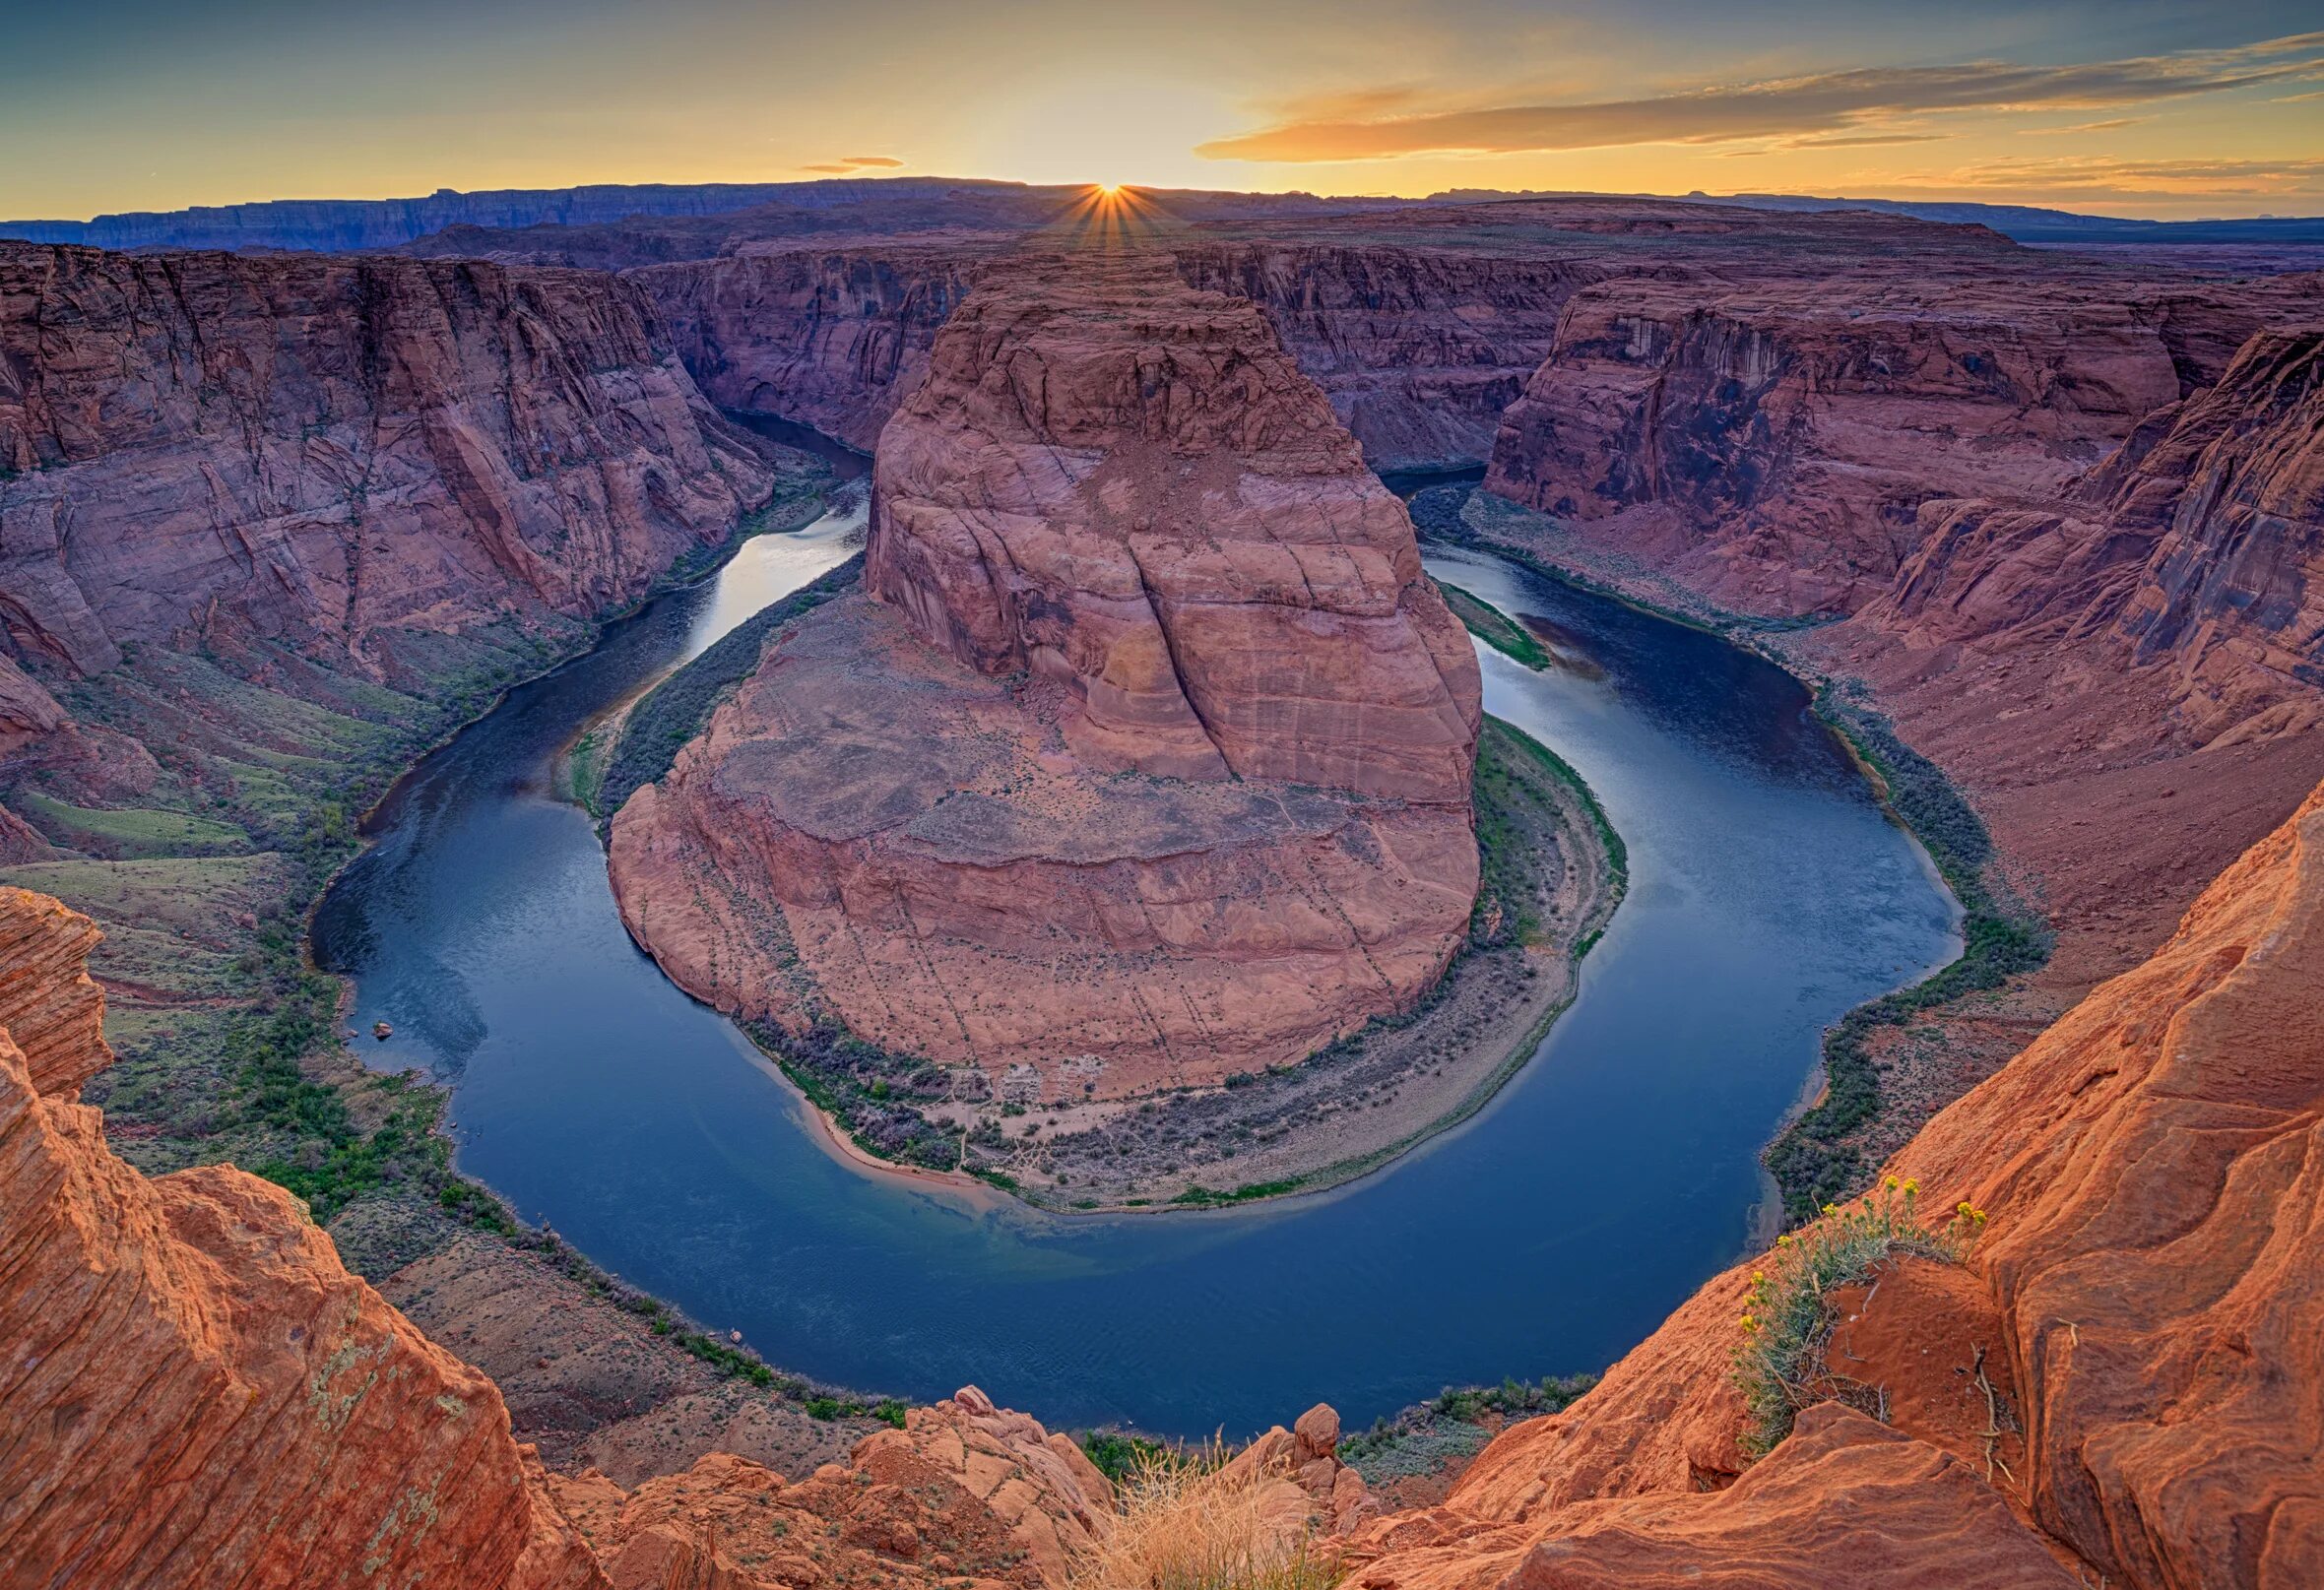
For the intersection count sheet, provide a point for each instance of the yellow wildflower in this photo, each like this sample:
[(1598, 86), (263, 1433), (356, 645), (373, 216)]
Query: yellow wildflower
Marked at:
[(1889, 1183), (1911, 1185)]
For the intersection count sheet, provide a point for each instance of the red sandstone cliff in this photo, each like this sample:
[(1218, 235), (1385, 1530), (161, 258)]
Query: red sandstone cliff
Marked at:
[(830, 337), (1117, 533), (195, 1391), (1418, 349), (1770, 445), (336, 452), (2153, 1273), (196, 1394)]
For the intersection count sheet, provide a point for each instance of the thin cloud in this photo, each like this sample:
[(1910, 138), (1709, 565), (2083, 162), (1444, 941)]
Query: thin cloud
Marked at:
[(2110, 124), (1829, 102), (850, 164), (1865, 140), (2240, 178)]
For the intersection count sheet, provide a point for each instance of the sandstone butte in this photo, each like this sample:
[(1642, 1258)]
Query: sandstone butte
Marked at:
[(1144, 758), (295, 461), (206, 1398)]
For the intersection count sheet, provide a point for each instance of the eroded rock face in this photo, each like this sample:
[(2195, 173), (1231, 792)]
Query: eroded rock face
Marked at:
[(1123, 486), (333, 452), (1418, 349), (197, 1393), (833, 338), (1149, 765), (2152, 1169), (1772, 444)]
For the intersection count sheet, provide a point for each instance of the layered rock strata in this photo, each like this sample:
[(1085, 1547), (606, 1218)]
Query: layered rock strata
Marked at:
[(1771, 444), (2150, 1167), (196, 1391), (333, 453), (1147, 764)]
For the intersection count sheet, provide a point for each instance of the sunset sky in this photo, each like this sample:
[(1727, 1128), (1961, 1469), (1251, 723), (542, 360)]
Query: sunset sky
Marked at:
[(2122, 108)]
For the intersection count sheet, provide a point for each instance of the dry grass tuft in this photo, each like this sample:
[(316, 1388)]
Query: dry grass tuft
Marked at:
[(1190, 1522)]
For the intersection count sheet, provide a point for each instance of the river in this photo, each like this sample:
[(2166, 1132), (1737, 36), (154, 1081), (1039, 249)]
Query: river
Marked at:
[(1768, 895)]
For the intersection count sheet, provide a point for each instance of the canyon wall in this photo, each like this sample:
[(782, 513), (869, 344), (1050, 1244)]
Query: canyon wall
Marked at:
[(336, 454), (830, 338), (198, 1394), (2153, 1168), (197, 1332), (1149, 761), (1418, 349), (1771, 445)]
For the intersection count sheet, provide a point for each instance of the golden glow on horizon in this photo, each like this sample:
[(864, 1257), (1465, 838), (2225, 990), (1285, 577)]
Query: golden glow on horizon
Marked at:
[(228, 106)]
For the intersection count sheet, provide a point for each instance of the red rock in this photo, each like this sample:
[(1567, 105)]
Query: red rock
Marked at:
[(327, 451), (832, 337), (1123, 486), (1115, 535), (197, 1393), (1844, 1501), (2154, 1267)]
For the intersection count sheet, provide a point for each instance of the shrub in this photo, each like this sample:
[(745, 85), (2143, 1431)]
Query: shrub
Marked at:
[(1789, 1316), (1187, 1522)]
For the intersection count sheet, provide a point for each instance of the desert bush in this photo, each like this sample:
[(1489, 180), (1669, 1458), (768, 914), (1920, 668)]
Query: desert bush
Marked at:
[(1789, 1315), (1190, 1522)]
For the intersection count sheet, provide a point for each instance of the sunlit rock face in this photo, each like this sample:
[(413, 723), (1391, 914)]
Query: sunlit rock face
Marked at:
[(2153, 1170), (1146, 760), (198, 1393)]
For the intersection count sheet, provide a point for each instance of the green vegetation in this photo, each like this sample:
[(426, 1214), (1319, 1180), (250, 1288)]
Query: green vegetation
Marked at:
[(130, 833), (1199, 1197), (675, 711), (889, 1411), (1118, 1454), (224, 1036), (1789, 1315), (1495, 628), (1453, 1425), (1504, 847), (1812, 1161), (1512, 1399)]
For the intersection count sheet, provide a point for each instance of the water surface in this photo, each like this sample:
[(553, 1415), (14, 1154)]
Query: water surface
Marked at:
[(1550, 1233)]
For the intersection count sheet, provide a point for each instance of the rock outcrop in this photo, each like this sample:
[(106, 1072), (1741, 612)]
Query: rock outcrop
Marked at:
[(1123, 486), (1771, 445), (835, 337), (1149, 765), (2152, 1168), (963, 1494), (338, 455), (1419, 349), (196, 1392)]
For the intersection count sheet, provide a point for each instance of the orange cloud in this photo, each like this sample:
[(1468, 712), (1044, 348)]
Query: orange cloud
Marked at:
[(1829, 102)]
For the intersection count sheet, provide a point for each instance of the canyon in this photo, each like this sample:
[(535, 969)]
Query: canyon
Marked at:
[(1140, 757)]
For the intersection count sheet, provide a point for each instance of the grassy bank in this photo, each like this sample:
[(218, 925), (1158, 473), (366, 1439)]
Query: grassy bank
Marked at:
[(674, 712), (1812, 1160)]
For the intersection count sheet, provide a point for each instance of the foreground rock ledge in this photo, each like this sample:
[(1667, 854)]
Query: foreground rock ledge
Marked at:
[(1148, 764)]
